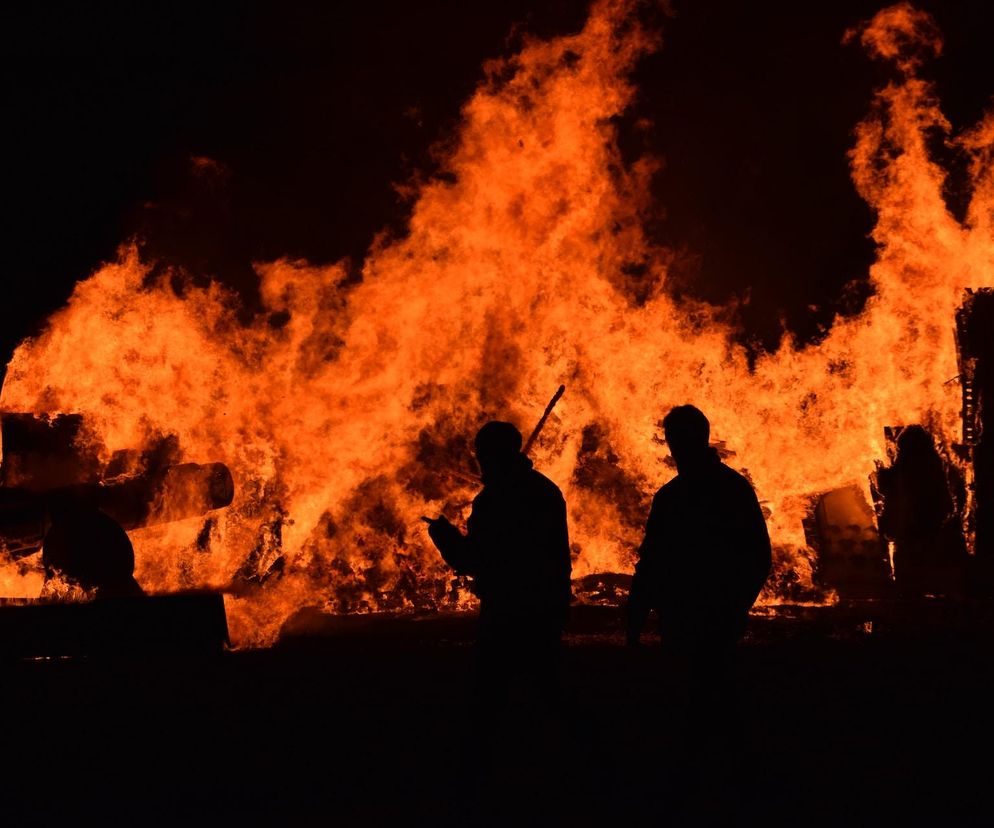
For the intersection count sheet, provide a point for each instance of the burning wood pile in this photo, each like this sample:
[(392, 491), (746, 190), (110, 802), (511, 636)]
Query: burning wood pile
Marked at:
[(528, 263), (56, 493), (59, 497), (48, 470)]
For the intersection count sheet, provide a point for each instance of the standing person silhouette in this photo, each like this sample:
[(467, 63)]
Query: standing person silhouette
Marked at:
[(920, 517), (517, 551), (704, 560)]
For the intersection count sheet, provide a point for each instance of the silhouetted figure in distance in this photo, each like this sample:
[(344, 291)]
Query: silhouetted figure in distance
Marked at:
[(516, 548), (920, 517), (704, 559)]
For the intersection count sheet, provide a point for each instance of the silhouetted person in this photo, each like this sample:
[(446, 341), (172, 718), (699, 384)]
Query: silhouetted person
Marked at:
[(704, 560), (919, 516), (89, 548), (706, 552), (516, 549)]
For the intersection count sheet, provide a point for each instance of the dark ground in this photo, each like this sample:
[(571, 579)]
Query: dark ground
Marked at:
[(366, 721)]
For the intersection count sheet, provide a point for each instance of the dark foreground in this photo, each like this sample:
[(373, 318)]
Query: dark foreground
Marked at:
[(876, 714)]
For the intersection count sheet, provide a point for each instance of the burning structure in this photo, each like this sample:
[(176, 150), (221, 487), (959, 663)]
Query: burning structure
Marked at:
[(48, 469), (976, 354), (337, 404), (58, 497)]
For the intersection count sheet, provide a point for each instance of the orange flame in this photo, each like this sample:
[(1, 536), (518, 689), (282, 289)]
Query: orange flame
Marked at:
[(344, 411)]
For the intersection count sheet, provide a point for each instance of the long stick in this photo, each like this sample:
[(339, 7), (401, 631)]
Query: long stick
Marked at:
[(545, 416)]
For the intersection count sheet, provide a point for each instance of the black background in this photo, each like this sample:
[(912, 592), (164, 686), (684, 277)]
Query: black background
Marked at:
[(315, 111)]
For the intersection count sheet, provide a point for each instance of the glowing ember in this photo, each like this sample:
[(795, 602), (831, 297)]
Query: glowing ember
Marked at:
[(344, 412)]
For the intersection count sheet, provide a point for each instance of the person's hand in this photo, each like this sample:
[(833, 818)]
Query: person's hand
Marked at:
[(440, 530)]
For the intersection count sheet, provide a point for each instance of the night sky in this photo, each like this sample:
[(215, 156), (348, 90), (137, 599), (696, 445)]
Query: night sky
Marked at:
[(314, 112)]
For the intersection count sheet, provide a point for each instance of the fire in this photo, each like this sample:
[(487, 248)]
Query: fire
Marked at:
[(345, 410)]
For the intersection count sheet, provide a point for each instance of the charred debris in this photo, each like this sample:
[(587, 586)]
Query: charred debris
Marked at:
[(57, 496)]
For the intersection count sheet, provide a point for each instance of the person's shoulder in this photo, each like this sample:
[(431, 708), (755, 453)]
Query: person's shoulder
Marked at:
[(540, 483), (668, 490), (484, 496), (736, 480)]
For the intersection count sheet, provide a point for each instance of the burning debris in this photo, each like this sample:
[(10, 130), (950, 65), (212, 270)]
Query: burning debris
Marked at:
[(54, 489), (974, 324), (852, 558), (57, 495)]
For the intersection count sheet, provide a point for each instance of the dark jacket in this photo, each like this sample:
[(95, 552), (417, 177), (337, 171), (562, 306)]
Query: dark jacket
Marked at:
[(517, 550), (704, 559)]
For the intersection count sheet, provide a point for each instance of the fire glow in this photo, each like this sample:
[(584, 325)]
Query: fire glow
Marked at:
[(346, 409)]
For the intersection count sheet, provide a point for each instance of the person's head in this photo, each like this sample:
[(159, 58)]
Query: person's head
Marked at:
[(914, 442), (687, 432), (498, 446)]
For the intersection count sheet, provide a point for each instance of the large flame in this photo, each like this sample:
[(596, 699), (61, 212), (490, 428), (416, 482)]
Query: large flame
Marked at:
[(345, 410)]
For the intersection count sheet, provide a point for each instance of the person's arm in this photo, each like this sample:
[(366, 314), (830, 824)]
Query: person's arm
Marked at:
[(564, 562), (640, 597), (759, 551), (456, 549)]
